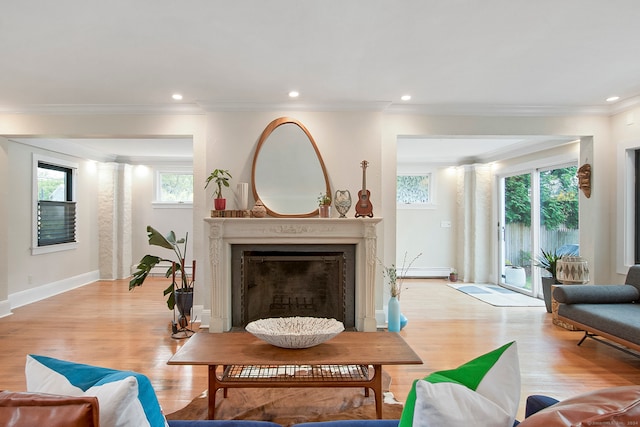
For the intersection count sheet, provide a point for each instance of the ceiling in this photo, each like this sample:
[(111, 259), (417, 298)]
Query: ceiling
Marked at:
[(452, 56)]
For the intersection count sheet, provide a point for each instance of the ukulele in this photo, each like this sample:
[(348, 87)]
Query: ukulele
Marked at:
[(363, 207)]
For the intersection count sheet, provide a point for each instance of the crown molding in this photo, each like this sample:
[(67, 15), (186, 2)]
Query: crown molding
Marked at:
[(387, 107), (98, 109), (498, 110), (378, 106), (625, 105)]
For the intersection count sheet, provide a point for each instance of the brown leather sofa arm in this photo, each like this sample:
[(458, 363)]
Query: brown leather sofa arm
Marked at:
[(22, 409)]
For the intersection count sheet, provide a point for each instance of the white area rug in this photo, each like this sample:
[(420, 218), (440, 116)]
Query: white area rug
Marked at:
[(497, 295)]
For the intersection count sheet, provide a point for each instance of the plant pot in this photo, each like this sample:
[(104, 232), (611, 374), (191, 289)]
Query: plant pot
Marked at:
[(220, 204), (324, 211), (547, 282), (453, 277), (184, 303)]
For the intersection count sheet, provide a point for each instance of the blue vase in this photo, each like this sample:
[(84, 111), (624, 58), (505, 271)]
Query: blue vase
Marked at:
[(393, 314), (403, 321)]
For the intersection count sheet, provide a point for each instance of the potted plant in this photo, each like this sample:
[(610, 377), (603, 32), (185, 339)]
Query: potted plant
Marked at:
[(220, 177), (324, 205), (548, 262), (453, 275), (179, 292), (396, 320)]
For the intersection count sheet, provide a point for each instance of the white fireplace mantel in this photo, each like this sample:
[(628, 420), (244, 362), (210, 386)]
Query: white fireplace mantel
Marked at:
[(225, 232)]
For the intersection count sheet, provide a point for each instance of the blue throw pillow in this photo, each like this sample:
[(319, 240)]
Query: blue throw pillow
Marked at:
[(125, 398)]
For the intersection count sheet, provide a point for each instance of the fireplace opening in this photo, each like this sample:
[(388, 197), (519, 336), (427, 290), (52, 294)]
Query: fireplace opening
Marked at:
[(293, 280)]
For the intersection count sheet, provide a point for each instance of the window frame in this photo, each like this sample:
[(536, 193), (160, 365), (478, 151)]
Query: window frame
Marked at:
[(157, 189), (431, 204), (37, 158)]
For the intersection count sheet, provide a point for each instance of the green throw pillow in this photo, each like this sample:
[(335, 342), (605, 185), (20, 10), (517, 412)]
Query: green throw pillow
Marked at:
[(483, 392)]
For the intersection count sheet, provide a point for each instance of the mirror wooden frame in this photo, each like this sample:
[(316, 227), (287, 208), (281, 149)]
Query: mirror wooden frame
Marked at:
[(263, 138)]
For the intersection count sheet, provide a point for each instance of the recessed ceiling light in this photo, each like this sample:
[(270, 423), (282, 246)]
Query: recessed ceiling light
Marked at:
[(294, 94), (177, 96), (405, 97), (613, 98)]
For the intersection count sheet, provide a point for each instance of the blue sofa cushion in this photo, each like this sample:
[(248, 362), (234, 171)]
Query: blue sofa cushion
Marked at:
[(624, 319), (538, 402), (351, 423), (595, 294), (633, 277), (221, 423)]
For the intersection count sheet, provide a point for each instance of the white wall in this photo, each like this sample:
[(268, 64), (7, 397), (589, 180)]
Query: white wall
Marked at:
[(420, 230), (625, 131), (162, 217), (4, 229), (27, 272)]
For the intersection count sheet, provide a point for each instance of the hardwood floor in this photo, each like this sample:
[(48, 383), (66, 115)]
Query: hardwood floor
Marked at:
[(104, 324)]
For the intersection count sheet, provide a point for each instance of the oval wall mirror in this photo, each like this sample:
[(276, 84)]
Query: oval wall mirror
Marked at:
[(288, 173)]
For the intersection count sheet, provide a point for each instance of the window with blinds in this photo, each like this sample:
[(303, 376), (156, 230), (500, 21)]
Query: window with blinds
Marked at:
[(56, 209), (56, 222)]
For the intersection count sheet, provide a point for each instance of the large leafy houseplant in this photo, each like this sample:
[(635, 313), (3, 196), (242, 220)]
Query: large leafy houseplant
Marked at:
[(176, 269)]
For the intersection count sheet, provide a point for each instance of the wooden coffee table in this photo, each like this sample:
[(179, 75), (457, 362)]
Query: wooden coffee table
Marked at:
[(240, 360)]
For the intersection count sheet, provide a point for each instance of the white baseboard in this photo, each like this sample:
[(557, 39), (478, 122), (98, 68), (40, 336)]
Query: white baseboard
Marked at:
[(5, 308), (202, 315), (427, 272), (381, 319), (39, 293)]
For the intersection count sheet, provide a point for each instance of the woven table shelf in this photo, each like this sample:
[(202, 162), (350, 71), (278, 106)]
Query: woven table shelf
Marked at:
[(273, 373)]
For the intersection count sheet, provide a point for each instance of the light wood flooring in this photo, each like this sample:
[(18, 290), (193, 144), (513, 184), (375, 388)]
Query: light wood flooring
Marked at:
[(104, 324)]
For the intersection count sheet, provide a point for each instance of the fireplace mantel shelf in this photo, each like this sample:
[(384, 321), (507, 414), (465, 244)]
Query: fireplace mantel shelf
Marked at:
[(225, 232)]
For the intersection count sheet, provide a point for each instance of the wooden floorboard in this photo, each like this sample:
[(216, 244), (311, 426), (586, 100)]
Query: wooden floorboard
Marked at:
[(105, 324)]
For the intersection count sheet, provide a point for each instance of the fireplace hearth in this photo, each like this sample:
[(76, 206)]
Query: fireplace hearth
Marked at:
[(293, 280)]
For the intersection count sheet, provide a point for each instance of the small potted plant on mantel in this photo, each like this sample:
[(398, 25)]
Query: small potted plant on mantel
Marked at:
[(220, 177), (324, 205)]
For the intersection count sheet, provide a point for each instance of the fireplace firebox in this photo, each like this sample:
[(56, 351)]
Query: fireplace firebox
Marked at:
[(287, 280)]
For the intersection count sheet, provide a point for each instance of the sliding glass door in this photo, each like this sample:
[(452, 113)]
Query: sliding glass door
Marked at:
[(539, 210)]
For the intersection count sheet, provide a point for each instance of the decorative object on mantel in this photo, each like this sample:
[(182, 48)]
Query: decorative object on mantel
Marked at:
[(242, 195), (295, 332), (220, 177), (394, 316), (364, 207), (180, 294), (584, 179), (572, 270), (342, 202), (235, 213), (259, 211), (324, 205)]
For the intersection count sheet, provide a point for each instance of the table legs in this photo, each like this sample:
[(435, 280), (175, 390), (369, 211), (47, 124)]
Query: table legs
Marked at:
[(377, 389), (212, 392)]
